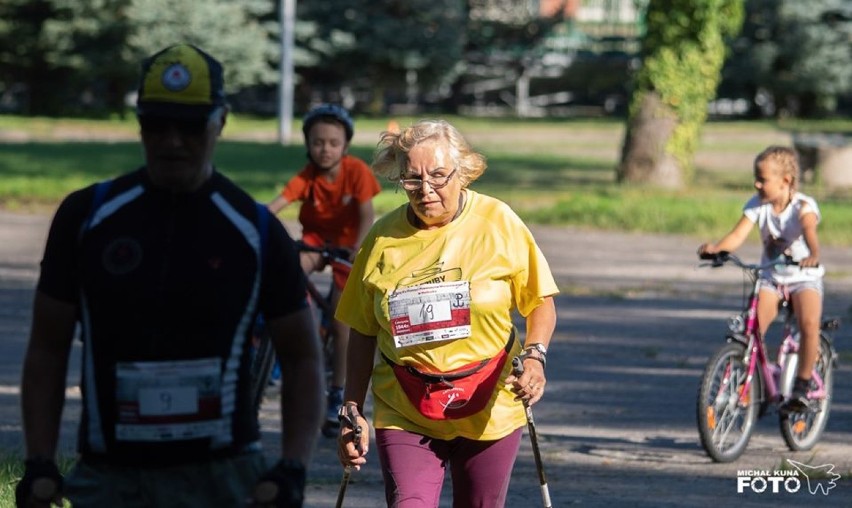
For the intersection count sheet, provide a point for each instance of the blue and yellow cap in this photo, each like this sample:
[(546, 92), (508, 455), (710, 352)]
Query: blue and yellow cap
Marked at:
[(181, 81)]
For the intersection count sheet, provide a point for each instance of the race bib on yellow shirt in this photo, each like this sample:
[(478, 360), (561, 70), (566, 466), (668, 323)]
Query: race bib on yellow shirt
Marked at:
[(430, 313), (168, 401)]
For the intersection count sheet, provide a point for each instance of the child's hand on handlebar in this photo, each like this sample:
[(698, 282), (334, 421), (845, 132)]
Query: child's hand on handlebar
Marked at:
[(809, 262), (707, 249), (713, 254)]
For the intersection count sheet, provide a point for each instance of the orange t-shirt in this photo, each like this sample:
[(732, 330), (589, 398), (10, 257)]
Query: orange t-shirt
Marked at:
[(330, 209)]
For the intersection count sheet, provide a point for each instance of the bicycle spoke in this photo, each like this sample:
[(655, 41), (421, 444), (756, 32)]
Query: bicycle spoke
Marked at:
[(731, 410), (725, 427), (727, 411)]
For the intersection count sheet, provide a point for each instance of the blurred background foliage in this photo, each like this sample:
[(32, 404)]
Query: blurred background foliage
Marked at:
[(525, 58), (662, 67)]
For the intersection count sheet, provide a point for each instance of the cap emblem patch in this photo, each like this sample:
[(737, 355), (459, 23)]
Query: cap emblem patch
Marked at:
[(176, 77)]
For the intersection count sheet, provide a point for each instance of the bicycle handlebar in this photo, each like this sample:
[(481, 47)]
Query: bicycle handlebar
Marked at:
[(333, 254), (723, 257)]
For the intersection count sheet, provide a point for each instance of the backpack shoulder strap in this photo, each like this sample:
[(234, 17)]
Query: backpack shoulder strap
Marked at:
[(101, 190), (263, 215)]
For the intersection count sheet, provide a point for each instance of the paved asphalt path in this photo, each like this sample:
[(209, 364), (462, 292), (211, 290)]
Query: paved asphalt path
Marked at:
[(637, 322)]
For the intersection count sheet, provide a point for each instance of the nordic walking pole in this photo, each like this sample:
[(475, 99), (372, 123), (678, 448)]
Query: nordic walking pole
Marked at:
[(347, 471), (341, 493), (517, 370)]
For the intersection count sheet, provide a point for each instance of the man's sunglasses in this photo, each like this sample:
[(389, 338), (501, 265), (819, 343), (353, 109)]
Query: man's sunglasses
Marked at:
[(161, 125)]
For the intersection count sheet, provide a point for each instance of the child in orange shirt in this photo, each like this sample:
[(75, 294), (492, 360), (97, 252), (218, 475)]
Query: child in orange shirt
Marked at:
[(336, 190)]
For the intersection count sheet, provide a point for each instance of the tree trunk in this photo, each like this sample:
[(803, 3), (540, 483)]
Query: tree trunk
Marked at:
[(825, 158), (644, 158), (376, 106)]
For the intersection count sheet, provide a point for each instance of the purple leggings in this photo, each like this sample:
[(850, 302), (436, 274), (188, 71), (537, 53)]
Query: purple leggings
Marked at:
[(413, 467)]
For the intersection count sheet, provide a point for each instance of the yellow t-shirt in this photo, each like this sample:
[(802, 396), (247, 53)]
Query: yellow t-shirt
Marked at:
[(488, 246)]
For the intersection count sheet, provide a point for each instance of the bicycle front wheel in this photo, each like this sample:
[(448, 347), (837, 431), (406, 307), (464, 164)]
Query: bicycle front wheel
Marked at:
[(725, 418), (801, 431)]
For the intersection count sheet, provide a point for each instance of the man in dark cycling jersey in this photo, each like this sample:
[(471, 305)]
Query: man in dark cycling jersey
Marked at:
[(165, 269)]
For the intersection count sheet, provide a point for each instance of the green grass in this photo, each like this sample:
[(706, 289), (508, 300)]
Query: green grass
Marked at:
[(558, 172), (11, 470)]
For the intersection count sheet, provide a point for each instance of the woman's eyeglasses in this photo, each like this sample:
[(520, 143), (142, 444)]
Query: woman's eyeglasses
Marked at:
[(436, 182)]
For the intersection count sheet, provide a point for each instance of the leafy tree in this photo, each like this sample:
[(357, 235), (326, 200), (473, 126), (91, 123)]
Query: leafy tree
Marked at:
[(682, 54), (94, 48), (26, 73), (231, 30), (381, 42), (505, 41), (515, 38), (90, 38), (795, 55)]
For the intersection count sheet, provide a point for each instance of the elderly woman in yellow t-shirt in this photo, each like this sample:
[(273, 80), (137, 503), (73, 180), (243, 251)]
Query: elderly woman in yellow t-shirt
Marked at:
[(433, 289)]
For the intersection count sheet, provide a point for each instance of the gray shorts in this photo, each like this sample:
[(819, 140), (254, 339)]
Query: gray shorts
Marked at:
[(220, 482)]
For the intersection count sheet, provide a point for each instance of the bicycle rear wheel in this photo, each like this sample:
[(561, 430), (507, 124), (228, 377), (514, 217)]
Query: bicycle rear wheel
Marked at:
[(726, 420), (801, 431), (261, 368)]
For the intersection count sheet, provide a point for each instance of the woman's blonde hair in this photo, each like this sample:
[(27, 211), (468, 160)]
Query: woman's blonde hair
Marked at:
[(391, 157), (786, 159)]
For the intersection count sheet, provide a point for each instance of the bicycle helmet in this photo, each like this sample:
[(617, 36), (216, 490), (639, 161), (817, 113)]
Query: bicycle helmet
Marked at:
[(332, 111)]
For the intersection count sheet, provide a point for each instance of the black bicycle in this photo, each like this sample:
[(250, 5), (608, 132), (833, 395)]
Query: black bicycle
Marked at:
[(263, 362)]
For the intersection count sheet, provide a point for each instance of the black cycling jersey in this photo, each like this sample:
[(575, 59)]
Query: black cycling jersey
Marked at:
[(168, 288)]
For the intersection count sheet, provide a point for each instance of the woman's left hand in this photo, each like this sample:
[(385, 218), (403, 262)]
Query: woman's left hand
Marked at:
[(529, 385)]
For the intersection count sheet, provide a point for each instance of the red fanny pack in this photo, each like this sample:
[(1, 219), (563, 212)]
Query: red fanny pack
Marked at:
[(454, 394)]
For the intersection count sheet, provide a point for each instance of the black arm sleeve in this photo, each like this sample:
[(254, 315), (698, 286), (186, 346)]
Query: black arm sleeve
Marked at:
[(59, 277)]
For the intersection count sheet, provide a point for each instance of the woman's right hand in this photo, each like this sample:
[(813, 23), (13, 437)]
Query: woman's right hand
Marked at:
[(353, 442)]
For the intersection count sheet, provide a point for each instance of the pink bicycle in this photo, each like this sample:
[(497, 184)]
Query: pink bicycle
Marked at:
[(740, 383)]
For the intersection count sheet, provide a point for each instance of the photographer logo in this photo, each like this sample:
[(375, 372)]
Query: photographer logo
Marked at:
[(816, 479)]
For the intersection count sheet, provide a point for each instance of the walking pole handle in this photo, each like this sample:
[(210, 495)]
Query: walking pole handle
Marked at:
[(517, 366)]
